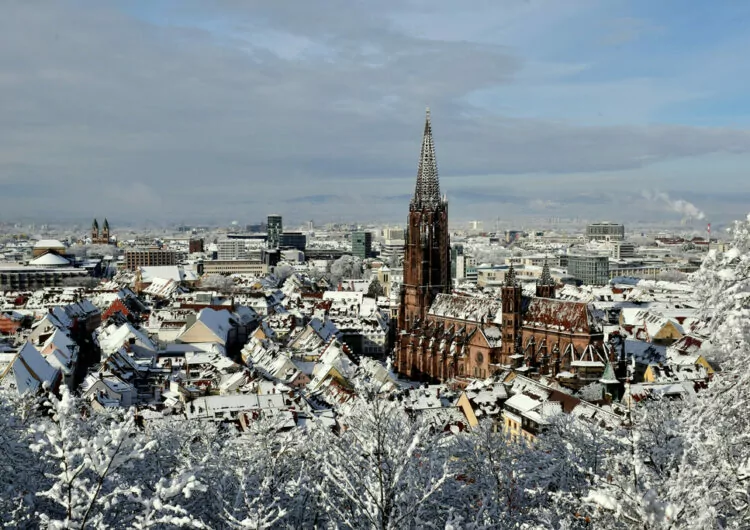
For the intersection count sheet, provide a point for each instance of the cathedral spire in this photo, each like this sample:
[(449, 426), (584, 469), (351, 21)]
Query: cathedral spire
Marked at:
[(510, 277), (546, 278), (427, 192)]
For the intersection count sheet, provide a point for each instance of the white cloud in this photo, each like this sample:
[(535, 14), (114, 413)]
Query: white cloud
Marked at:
[(214, 119)]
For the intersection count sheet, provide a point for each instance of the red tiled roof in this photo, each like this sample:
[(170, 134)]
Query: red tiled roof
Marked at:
[(568, 315)]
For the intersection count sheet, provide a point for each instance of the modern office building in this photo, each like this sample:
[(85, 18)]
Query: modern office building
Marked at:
[(392, 248), (622, 250), (16, 276), (151, 257), (229, 249), (605, 232), (362, 244), (274, 228), (589, 270), (296, 240), (235, 266), (393, 233), (465, 268)]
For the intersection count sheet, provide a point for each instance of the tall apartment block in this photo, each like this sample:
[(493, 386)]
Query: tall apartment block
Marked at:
[(362, 244), (274, 230)]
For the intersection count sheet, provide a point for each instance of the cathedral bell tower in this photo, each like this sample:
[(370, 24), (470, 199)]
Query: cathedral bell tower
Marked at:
[(427, 245), (511, 320), (105, 231)]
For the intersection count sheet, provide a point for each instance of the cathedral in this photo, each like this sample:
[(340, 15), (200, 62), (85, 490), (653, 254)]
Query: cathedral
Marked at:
[(444, 336), (100, 237)]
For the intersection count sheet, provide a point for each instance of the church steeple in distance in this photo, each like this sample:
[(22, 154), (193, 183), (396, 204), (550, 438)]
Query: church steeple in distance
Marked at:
[(427, 190)]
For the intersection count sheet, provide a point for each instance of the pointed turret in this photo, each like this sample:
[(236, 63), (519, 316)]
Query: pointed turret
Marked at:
[(510, 277), (546, 278), (545, 286), (95, 225), (427, 191), (106, 224), (610, 383)]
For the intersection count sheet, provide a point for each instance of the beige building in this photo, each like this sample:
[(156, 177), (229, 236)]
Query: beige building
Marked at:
[(257, 268)]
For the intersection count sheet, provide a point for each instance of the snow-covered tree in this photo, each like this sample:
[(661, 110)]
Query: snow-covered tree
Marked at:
[(687, 464), (384, 471), (265, 483), (375, 289), (90, 484), (714, 475), (497, 491), (218, 282), (21, 471), (346, 267)]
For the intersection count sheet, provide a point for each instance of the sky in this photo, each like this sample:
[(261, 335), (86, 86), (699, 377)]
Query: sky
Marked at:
[(218, 110)]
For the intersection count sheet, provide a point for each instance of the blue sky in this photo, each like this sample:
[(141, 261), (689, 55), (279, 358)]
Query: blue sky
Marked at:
[(227, 109)]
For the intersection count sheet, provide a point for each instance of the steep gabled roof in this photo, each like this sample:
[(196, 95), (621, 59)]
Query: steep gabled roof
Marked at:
[(561, 315), (30, 370), (468, 308)]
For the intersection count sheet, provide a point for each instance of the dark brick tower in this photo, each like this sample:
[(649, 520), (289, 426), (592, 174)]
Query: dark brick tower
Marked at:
[(511, 304), (427, 249)]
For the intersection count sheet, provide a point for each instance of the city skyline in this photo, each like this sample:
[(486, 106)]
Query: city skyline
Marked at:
[(211, 111)]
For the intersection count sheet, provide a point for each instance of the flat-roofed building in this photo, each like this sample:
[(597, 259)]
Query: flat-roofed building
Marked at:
[(296, 240), (17, 276), (254, 267), (231, 249), (590, 270), (605, 232), (622, 250), (362, 244), (150, 257)]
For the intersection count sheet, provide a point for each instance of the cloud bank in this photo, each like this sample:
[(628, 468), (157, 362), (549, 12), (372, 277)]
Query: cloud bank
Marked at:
[(225, 109)]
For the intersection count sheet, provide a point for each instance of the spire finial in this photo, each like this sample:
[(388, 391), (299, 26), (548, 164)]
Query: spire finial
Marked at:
[(427, 191)]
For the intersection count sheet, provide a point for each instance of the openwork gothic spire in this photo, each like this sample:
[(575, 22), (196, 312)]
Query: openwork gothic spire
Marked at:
[(510, 277), (427, 192), (546, 278)]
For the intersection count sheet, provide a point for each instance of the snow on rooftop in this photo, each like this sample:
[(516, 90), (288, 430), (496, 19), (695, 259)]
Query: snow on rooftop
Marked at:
[(49, 243), (475, 309), (30, 370), (50, 259)]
